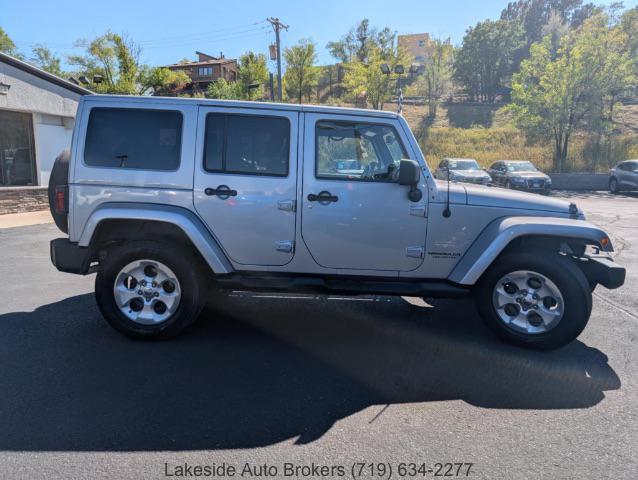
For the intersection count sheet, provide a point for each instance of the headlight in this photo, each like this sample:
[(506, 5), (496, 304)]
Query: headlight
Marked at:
[(548, 181)]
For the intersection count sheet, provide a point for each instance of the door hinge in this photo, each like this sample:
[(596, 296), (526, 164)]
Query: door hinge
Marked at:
[(286, 246), (414, 252), (418, 210), (287, 205)]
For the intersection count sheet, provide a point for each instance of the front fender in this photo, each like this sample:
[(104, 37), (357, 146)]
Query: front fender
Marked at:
[(500, 232), (186, 220)]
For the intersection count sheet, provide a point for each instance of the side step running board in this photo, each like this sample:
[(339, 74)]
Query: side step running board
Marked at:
[(348, 285)]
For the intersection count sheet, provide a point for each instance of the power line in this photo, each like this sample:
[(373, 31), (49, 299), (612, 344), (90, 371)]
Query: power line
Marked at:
[(200, 34), (187, 37), (199, 41)]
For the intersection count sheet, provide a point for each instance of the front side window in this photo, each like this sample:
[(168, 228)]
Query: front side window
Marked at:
[(247, 144), (131, 138), (357, 151)]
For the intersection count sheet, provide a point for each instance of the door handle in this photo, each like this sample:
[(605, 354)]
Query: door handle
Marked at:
[(223, 192), (323, 197)]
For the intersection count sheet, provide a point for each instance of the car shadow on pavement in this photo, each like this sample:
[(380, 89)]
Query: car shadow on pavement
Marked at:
[(261, 369)]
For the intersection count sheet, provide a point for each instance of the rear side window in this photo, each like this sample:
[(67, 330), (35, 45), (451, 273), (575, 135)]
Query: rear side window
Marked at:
[(130, 138), (247, 144)]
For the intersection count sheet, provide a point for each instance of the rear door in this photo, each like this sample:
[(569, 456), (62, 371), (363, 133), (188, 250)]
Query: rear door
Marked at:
[(355, 215), (245, 181)]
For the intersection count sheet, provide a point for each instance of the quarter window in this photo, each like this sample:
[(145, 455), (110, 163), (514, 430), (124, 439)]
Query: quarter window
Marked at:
[(357, 151), (247, 144), (130, 138)]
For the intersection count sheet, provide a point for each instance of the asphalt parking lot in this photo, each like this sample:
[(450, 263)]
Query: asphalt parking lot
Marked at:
[(324, 380)]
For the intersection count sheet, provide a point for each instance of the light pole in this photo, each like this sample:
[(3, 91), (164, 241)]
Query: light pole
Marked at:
[(399, 70)]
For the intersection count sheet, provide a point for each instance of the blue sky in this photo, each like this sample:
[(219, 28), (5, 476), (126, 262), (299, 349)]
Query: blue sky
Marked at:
[(170, 30)]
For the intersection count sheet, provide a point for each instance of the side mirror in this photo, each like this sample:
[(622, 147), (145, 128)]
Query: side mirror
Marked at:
[(409, 174)]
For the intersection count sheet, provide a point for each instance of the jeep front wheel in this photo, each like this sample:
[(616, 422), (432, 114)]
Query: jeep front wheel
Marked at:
[(537, 299), (149, 290)]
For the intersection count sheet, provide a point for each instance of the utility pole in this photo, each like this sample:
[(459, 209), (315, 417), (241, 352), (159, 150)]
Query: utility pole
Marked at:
[(277, 26)]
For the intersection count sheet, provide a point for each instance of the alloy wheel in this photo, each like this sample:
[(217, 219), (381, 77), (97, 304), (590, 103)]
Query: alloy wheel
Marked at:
[(528, 302), (147, 292)]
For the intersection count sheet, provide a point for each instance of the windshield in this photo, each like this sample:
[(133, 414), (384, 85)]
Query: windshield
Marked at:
[(464, 165), (521, 167)]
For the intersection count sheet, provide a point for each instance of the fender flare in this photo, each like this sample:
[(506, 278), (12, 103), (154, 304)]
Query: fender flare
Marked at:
[(182, 218), (500, 232)]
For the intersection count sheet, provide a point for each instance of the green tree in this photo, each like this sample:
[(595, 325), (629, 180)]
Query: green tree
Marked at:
[(301, 74), (6, 44), (115, 58), (485, 62), (534, 15), (222, 89), (367, 79), (358, 42), (554, 94), (161, 80), (436, 80), (46, 60), (253, 70)]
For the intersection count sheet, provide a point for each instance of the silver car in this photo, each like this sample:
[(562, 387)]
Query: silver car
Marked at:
[(172, 200), (465, 170), (624, 176)]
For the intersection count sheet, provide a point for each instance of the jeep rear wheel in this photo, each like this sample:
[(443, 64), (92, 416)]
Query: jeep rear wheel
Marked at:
[(149, 290), (537, 299)]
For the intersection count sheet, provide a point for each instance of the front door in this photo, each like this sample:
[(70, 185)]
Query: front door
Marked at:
[(246, 181), (355, 215)]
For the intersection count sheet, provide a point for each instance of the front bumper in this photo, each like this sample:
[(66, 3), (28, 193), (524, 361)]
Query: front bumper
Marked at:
[(526, 188), (70, 257), (603, 270)]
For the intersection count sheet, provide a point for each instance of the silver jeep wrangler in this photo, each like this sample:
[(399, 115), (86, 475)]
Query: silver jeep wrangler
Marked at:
[(170, 200)]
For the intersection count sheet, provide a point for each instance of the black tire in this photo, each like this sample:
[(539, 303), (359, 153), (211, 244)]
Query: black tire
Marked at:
[(181, 261), (59, 178), (569, 279), (613, 185)]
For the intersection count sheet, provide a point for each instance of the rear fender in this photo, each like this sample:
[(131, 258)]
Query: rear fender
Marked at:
[(184, 219), (501, 232)]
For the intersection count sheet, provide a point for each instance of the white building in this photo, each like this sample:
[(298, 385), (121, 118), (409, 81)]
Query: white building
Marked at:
[(37, 113)]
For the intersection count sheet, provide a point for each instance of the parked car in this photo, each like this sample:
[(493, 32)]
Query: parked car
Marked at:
[(520, 175), (624, 176), (169, 200), (465, 170)]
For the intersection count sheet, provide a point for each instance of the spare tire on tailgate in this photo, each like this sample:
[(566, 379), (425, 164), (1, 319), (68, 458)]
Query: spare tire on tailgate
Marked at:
[(58, 180)]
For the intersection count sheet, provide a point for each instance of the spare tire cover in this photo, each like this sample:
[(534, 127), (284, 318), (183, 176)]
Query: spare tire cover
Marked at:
[(59, 177)]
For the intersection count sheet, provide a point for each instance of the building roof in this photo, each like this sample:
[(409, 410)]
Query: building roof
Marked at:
[(217, 61), (37, 72)]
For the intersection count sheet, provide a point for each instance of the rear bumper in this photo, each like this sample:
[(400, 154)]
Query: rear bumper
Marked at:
[(603, 270), (69, 257)]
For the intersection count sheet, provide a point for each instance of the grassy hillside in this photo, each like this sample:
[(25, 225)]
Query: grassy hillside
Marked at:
[(495, 138)]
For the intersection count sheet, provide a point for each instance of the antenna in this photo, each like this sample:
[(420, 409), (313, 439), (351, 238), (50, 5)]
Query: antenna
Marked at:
[(447, 212)]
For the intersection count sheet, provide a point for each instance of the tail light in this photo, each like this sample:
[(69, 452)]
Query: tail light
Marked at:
[(62, 199)]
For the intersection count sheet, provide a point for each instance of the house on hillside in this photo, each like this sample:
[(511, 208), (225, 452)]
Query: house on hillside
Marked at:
[(206, 70)]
